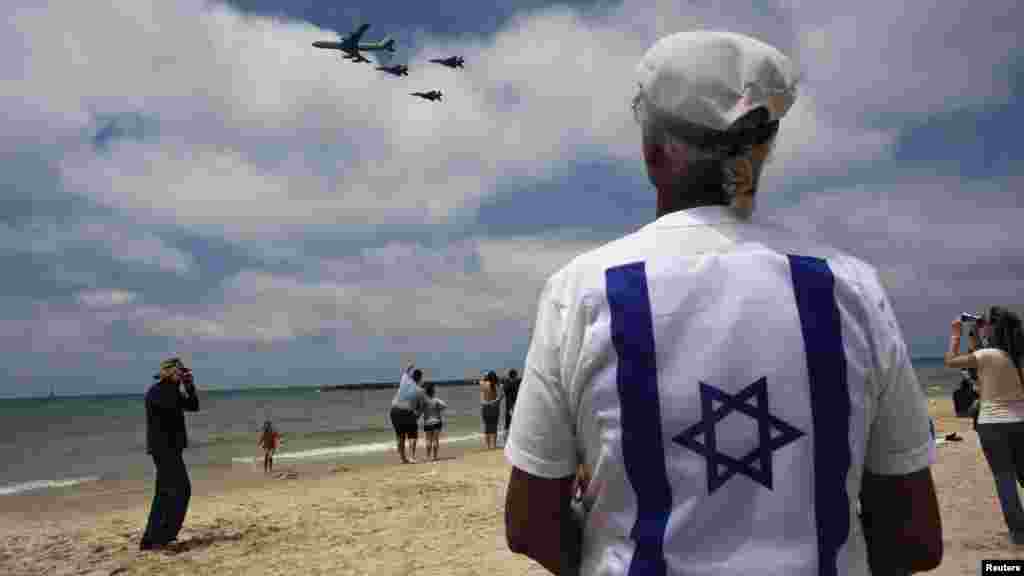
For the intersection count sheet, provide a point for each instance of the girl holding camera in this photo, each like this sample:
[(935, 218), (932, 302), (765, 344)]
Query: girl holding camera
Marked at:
[(1001, 414)]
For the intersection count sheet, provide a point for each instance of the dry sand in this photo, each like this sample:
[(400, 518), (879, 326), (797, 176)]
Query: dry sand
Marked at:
[(435, 518)]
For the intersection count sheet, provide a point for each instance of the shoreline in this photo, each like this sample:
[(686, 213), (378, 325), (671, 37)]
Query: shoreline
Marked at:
[(372, 515), (209, 480)]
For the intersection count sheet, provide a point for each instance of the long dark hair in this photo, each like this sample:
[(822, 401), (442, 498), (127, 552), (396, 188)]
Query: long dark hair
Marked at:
[(1007, 334)]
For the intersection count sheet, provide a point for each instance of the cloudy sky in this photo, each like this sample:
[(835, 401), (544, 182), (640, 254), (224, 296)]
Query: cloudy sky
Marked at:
[(194, 178)]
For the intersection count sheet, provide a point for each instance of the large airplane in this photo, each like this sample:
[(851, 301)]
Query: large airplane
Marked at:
[(432, 95), (351, 47), (399, 70), (452, 62)]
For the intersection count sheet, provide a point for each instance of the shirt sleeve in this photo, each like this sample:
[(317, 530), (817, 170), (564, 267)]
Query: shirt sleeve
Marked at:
[(899, 440), (541, 441)]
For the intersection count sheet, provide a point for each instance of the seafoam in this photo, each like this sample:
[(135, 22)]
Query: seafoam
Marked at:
[(335, 451)]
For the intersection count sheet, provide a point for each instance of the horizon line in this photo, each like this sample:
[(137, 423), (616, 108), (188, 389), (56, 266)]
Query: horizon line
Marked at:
[(378, 385)]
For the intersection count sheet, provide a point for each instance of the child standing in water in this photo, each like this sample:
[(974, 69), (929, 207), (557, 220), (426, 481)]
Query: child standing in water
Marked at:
[(269, 440), (432, 423)]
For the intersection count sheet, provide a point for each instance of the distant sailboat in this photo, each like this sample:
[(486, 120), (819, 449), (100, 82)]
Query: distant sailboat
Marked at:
[(52, 393)]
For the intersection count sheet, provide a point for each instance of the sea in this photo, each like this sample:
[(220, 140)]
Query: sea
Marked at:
[(62, 442)]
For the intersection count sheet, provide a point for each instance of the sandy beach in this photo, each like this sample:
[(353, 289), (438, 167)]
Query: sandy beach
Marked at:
[(378, 517)]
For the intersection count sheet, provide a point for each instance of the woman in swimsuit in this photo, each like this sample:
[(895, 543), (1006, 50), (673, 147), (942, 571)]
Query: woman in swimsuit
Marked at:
[(490, 403)]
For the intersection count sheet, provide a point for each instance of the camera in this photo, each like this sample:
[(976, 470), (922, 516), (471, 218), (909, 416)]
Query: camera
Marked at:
[(970, 318)]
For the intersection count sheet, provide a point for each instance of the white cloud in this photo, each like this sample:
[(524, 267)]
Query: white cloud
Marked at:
[(404, 289), (261, 138), (261, 135), (921, 57)]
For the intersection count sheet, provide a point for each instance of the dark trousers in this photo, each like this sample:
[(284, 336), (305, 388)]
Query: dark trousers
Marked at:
[(1003, 445), (508, 422), (170, 499)]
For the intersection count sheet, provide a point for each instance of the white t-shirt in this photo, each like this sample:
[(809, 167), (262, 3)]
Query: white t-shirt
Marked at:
[(699, 339)]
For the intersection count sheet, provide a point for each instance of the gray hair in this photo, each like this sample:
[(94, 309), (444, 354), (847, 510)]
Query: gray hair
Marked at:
[(688, 145)]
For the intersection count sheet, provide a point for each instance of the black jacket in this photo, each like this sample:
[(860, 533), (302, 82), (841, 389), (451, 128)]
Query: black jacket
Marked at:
[(165, 417), (511, 391)]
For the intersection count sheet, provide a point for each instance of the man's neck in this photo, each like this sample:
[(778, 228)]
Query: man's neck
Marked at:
[(679, 205)]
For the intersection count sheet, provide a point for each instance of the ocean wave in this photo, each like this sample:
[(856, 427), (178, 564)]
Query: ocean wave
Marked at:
[(355, 449), (44, 484)]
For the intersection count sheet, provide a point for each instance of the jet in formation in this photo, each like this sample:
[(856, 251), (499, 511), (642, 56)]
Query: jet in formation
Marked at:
[(352, 48), (452, 62), (432, 95), (399, 70)]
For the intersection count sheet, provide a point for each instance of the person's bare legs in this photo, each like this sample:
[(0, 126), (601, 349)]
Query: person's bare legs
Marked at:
[(412, 451), (401, 448)]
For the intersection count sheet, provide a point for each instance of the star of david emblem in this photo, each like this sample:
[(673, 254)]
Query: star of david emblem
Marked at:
[(773, 434)]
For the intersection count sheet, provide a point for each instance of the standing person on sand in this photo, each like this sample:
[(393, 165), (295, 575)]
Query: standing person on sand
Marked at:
[(730, 387), (269, 440), (510, 388), (405, 410), (490, 408), (1000, 420), (166, 438), (432, 423)]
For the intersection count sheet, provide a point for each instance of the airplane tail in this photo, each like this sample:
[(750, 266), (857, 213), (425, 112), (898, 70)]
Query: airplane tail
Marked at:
[(389, 45)]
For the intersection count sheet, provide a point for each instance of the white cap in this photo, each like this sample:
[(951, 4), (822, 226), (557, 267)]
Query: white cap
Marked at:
[(711, 79)]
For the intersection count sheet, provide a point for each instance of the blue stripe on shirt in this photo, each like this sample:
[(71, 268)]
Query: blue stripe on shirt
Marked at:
[(643, 452), (814, 287)]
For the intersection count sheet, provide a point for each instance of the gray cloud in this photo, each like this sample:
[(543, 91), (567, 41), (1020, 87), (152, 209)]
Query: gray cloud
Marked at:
[(120, 242), (263, 140), (941, 245)]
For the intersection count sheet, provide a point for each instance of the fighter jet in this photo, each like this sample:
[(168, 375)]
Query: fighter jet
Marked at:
[(432, 95), (452, 62), (399, 70), (351, 47)]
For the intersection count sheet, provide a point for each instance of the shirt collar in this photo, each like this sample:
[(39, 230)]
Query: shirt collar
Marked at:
[(699, 216)]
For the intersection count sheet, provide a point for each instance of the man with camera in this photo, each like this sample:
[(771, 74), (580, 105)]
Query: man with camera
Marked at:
[(165, 440)]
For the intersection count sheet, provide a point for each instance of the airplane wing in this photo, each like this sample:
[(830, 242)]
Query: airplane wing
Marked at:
[(352, 40)]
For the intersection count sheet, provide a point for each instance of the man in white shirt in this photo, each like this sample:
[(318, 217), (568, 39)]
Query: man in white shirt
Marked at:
[(406, 407), (733, 392)]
